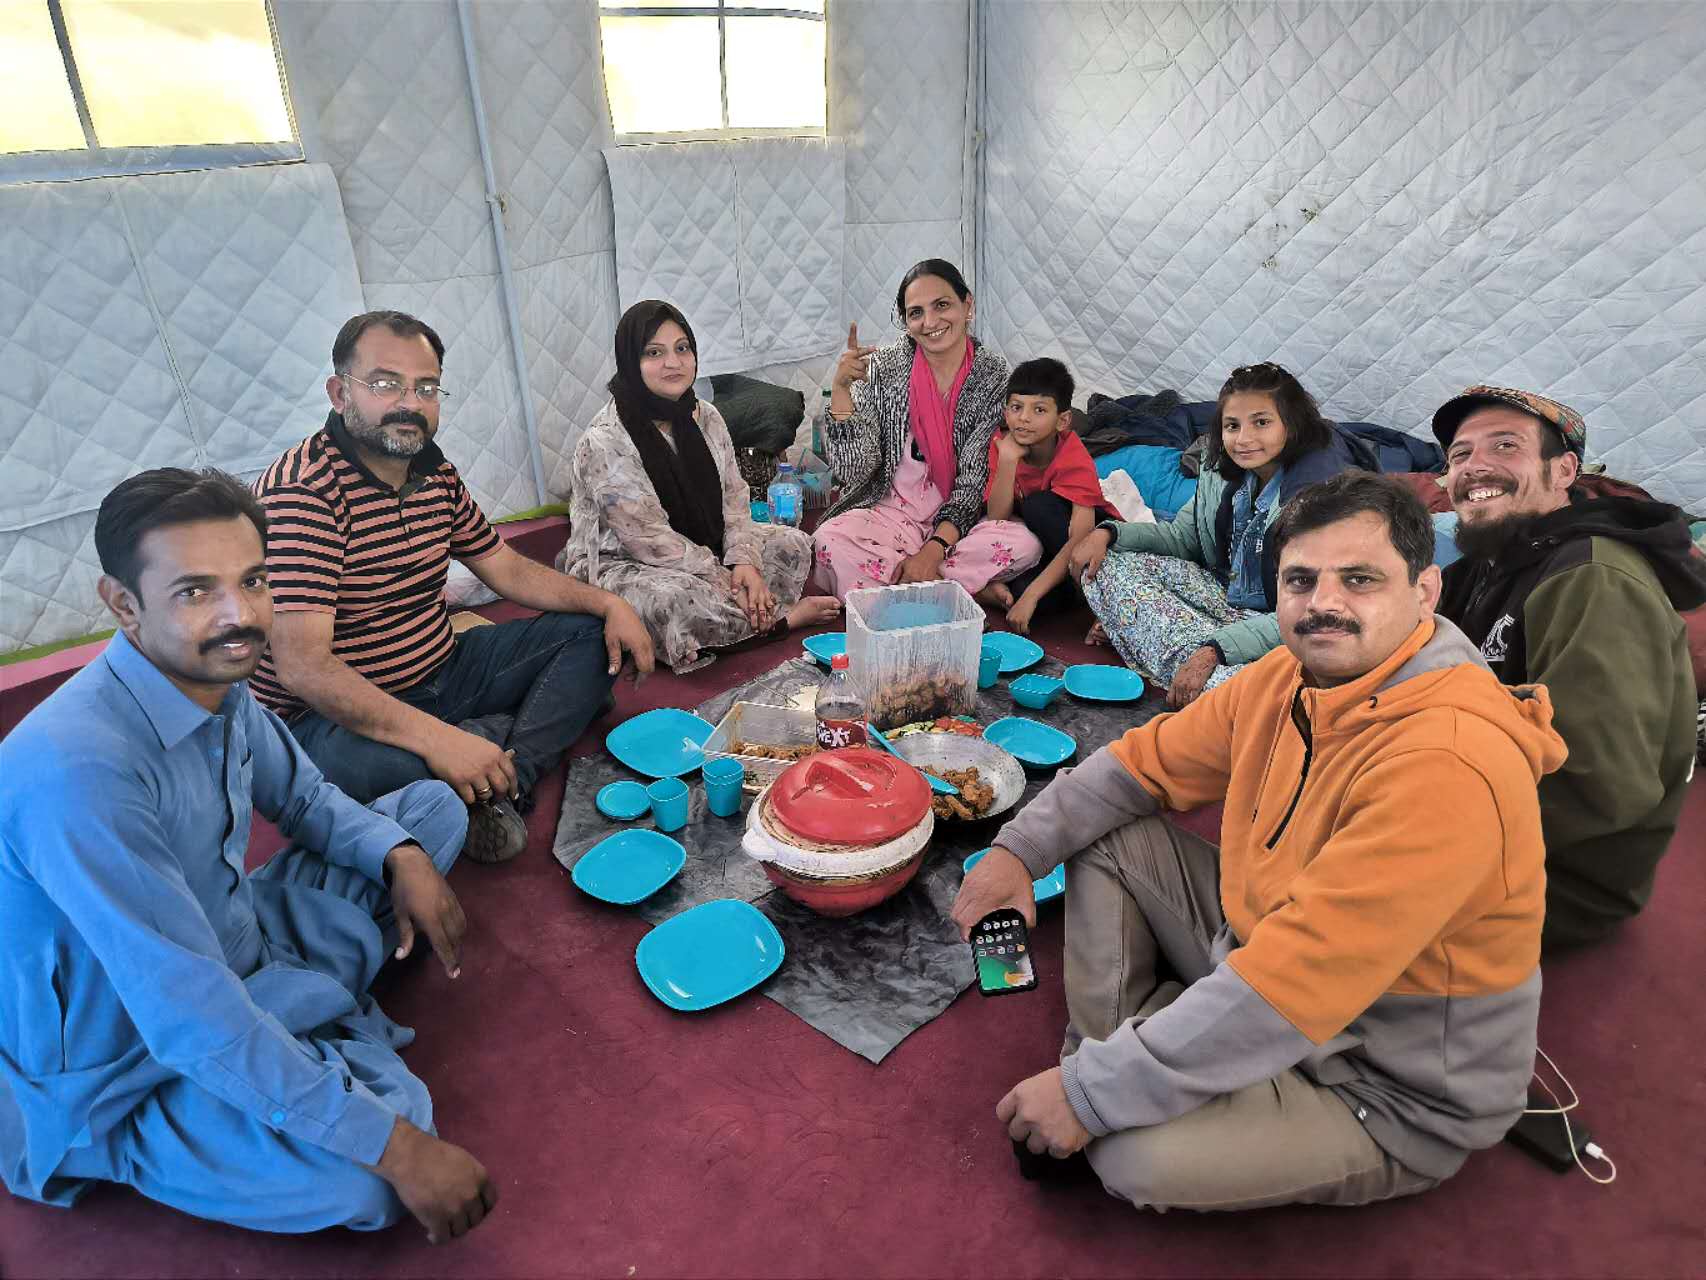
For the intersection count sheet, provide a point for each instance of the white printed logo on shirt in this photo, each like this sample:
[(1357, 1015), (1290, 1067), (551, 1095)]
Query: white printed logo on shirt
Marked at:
[(1495, 646)]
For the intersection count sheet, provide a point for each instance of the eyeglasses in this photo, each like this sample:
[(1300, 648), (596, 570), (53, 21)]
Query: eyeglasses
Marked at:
[(390, 390)]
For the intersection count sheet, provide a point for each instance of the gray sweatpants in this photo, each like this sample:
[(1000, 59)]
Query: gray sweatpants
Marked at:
[(1146, 895)]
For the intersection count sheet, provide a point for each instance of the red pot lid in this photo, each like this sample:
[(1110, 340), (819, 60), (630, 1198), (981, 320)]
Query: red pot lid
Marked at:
[(852, 796)]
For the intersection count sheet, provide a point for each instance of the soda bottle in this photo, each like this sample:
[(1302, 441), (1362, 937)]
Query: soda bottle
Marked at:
[(786, 497), (840, 711)]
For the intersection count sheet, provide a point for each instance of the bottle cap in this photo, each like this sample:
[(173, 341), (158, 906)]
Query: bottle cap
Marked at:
[(839, 662)]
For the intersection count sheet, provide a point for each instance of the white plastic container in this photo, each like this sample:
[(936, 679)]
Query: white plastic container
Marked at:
[(759, 722), (914, 651)]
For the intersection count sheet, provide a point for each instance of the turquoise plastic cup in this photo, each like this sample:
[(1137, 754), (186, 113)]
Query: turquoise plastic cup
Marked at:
[(988, 667), (669, 803), (723, 781)]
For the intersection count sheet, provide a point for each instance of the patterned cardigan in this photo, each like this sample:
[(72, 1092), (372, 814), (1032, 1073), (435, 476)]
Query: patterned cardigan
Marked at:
[(864, 451)]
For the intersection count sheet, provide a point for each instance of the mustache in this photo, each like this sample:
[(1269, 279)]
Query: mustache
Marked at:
[(236, 635), (1311, 623), (407, 417), (1461, 489)]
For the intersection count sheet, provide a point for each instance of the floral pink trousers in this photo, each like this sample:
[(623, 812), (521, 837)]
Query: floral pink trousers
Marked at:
[(865, 548)]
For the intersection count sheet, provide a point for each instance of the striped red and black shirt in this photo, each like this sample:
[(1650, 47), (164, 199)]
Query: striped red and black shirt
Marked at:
[(341, 541)]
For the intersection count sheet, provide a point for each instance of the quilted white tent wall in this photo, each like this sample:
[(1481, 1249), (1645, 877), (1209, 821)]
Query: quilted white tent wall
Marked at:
[(1394, 199)]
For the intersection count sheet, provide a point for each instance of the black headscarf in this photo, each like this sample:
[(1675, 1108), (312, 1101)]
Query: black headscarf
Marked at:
[(685, 477)]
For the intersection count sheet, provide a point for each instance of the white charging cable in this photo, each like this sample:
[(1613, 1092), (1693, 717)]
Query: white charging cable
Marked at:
[(1591, 1150)]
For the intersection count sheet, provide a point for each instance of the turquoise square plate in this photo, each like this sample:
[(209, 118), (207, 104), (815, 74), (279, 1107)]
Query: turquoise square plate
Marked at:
[(825, 647), (629, 866), (708, 954), (1017, 652), (1031, 741), (1050, 887), (655, 742), (1100, 682)]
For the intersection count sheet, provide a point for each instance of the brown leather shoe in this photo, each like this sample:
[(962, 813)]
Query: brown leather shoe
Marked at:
[(496, 832)]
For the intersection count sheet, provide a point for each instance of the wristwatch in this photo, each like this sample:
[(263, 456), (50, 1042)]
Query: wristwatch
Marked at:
[(940, 541)]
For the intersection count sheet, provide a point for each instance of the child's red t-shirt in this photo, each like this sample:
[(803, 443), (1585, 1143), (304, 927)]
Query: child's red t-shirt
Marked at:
[(1070, 473)]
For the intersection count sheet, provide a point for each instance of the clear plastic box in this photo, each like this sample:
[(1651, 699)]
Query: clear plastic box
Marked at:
[(913, 650), (764, 724)]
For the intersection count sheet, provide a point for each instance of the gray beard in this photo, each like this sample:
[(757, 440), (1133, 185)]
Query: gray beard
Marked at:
[(376, 438)]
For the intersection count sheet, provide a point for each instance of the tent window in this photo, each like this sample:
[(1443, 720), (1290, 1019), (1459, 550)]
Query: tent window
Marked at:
[(687, 67), (100, 87)]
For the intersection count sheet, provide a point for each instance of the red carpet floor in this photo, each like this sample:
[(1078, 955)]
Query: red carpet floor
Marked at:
[(631, 1141)]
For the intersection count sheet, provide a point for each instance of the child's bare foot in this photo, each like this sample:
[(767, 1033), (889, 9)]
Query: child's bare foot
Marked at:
[(813, 611), (996, 595), (1096, 635)]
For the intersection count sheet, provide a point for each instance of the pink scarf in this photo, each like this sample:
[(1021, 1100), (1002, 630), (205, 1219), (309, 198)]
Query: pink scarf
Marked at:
[(933, 419)]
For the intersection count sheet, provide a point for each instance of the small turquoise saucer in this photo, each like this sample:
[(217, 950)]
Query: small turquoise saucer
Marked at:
[(623, 801)]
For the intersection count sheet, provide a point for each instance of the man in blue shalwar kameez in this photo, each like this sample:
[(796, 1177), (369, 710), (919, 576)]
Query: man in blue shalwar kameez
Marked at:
[(166, 1020)]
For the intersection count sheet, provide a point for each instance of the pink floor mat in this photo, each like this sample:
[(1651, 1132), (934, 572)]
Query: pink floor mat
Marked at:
[(631, 1141)]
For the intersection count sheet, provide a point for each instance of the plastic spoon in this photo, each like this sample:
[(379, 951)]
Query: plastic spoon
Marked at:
[(940, 785)]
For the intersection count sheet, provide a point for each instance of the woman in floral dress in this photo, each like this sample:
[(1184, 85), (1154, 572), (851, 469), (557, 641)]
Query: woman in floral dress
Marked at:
[(659, 514)]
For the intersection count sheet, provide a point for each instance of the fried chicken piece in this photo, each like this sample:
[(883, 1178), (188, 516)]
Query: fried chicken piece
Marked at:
[(764, 751), (975, 799)]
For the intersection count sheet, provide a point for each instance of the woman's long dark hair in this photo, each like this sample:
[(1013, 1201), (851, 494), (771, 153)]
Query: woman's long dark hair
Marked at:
[(1305, 429), (685, 477)]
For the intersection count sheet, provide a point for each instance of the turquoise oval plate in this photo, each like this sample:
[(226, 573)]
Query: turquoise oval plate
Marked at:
[(1047, 889), (1031, 741), (1017, 652), (1100, 682), (825, 647), (623, 801), (629, 866), (708, 954), (655, 742)]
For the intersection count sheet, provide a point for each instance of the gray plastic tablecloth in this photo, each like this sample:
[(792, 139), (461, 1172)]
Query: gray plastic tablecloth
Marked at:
[(870, 980)]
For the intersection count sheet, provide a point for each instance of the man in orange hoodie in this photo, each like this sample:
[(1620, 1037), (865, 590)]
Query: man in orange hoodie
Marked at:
[(1339, 1003)]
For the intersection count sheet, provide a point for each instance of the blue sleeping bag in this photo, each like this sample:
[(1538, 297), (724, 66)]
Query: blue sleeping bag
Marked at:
[(1154, 468)]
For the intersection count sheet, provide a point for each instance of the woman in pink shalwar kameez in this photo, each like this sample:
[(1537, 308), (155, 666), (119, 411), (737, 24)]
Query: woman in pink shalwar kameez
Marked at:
[(908, 439)]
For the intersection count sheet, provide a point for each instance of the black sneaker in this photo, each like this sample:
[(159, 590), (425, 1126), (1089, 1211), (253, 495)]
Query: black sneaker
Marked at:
[(496, 832)]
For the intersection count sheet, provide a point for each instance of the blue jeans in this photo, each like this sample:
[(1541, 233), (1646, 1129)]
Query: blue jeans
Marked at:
[(531, 686)]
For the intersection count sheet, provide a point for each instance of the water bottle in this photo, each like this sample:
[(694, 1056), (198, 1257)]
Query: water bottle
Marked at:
[(839, 710), (786, 497)]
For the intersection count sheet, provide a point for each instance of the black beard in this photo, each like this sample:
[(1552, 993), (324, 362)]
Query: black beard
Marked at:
[(1490, 539)]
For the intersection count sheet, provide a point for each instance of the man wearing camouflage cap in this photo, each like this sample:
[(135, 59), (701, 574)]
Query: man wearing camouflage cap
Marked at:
[(1581, 594)]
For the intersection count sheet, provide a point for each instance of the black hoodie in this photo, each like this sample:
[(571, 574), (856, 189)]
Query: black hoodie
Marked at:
[(1586, 604)]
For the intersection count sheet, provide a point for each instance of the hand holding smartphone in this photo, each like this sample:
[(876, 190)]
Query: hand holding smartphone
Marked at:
[(1001, 951)]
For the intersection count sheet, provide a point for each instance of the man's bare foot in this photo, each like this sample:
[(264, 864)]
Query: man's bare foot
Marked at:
[(1096, 635), (813, 611), (996, 595)]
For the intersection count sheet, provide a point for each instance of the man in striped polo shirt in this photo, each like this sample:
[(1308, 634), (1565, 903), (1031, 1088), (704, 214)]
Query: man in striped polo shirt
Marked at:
[(364, 516)]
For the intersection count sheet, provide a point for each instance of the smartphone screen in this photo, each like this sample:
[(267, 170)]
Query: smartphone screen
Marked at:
[(1001, 947)]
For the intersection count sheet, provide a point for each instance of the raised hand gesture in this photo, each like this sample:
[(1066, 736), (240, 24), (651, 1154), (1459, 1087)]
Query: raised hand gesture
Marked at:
[(855, 363)]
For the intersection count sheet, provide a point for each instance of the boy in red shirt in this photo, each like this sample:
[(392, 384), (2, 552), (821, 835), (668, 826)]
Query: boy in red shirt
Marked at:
[(1043, 493)]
